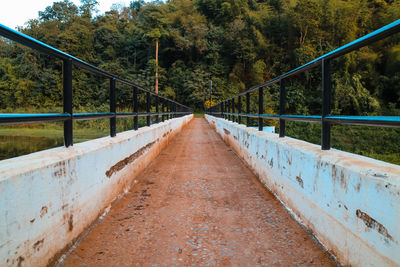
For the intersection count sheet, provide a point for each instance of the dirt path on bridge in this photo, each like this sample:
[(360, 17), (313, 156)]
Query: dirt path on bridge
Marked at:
[(197, 204)]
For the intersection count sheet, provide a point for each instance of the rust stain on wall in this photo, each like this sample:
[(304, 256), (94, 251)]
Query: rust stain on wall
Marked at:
[(167, 133), (38, 244), (300, 181), (121, 164), (20, 260), (71, 223), (339, 176), (43, 211), (373, 224), (60, 169)]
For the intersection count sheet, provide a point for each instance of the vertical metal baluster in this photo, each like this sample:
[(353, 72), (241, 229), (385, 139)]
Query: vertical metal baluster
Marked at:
[(240, 109), (326, 104), (233, 109), (67, 101), (148, 105), (113, 120), (157, 103), (282, 108), (260, 108), (135, 108), (168, 110), (222, 109), (230, 109), (174, 110), (163, 110), (227, 109), (247, 109)]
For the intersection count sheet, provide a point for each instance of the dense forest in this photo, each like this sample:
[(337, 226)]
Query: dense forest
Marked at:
[(235, 43)]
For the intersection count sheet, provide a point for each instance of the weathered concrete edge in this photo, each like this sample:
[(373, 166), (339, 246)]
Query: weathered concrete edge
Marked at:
[(349, 202), (49, 198)]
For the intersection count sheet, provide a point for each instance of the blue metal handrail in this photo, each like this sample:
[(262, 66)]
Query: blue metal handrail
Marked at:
[(225, 108), (171, 107)]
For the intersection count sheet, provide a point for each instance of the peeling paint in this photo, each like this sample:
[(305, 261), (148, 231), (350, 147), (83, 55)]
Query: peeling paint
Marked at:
[(71, 222), (20, 261), (38, 244), (121, 164), (60, 170), (43, 211), (373, 224), (300, 181)]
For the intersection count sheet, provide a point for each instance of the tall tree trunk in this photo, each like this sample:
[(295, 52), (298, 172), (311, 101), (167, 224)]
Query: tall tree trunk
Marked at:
[(156, 66)]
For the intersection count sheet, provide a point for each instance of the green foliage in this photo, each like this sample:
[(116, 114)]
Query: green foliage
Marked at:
[(235, 43)]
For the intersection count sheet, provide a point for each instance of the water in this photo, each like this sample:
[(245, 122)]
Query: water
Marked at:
[(14, 146)]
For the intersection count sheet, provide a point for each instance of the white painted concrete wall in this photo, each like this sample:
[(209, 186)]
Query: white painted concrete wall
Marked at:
[(350, 203), (48, 198)]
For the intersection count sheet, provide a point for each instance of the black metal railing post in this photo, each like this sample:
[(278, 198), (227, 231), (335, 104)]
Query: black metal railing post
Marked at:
[(135, 108), (148, 105), (221, 109), (171, 108), (240, 109), (326, 104), (168, 110), (175, 110), (260, 108), (224, 105), (113, 120), (282, 108), (230, 110), (67, 101), (233, 109), (163, 110), (247, 109), (157, 110)]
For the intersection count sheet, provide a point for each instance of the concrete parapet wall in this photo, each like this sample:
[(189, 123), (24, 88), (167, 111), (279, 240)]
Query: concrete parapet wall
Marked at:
[(49, 198), (350, 203)]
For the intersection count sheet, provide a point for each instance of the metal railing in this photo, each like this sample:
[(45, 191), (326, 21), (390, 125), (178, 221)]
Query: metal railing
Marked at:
[(169, 108), (226, 108)]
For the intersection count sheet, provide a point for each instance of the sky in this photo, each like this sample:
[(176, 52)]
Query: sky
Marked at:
[(15, 13)]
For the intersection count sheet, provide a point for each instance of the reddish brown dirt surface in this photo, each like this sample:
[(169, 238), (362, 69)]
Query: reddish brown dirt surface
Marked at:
[(197, 204)]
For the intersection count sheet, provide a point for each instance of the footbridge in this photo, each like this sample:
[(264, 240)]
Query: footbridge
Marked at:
[(184, 191)]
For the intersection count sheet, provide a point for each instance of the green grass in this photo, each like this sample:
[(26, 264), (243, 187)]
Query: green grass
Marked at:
[(48, 132), (199, 115), (375, 142)]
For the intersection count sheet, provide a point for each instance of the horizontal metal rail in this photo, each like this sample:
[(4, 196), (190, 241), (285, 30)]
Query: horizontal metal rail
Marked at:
[(170, 108), (385, 121), (8, 119), (226, 108), (24, 118)]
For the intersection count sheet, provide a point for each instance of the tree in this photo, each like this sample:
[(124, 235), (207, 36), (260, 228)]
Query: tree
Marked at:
[(88, 7)]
